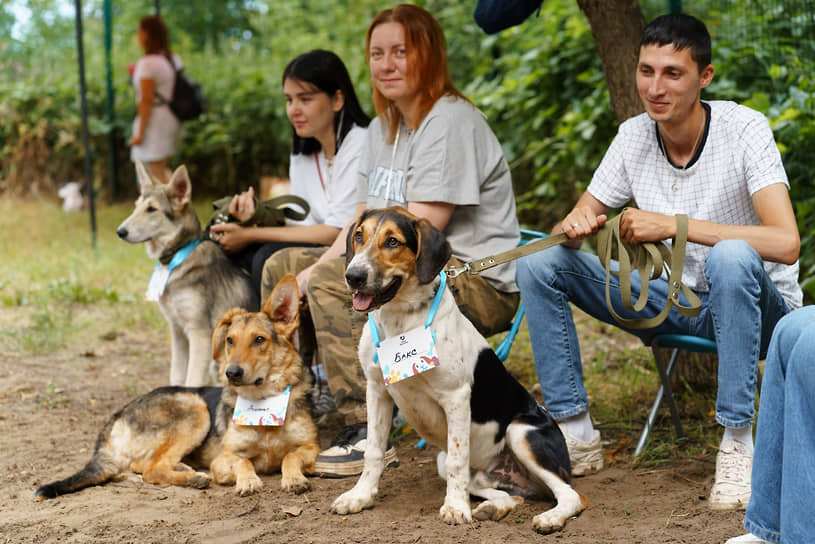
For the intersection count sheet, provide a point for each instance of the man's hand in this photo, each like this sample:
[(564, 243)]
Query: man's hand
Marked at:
[(638, 226), (231, 236), (242, 206), (582, 222)]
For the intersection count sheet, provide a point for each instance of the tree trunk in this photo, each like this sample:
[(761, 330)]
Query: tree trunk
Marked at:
[(616, 26)]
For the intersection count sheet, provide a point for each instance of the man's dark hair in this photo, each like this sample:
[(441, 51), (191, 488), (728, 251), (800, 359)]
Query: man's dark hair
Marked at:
[(682, 31)]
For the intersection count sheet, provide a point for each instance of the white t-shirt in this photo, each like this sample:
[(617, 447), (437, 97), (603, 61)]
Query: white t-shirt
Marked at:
[(163, 128), (738, 158), (330, 191), (453, 157)]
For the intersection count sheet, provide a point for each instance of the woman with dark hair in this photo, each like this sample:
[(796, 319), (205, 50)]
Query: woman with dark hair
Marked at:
[(156, 130), (431, 151), (328, 132)]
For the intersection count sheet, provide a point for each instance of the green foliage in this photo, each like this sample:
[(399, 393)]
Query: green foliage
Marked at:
[(540, 85)]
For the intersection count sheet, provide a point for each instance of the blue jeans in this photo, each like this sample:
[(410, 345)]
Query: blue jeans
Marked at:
[(782, 504), (739, 313)]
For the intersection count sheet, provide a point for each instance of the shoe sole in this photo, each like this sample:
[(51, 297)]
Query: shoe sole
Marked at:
[(728, 506), (351, 468)]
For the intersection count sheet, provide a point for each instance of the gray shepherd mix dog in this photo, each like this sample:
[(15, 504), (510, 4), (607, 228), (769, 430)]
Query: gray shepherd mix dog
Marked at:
[(199, 289)]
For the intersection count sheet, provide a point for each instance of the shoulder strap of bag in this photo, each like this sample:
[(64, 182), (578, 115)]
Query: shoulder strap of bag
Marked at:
[(162, 100), (648, 259), (274, 206)]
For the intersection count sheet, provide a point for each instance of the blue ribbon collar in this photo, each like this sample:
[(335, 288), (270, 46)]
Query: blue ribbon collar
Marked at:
[(430, 315)]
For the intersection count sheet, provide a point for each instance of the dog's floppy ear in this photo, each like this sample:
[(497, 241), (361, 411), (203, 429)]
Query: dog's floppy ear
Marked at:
[(283, 306), (179, 189), (219, 334), (143, 176), (349, 242), (433, 253)]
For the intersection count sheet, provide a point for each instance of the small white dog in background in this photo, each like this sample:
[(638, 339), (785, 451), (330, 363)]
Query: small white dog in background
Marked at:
[(71, 196)]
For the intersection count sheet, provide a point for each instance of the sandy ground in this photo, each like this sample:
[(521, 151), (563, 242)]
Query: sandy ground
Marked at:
[(51, 408)]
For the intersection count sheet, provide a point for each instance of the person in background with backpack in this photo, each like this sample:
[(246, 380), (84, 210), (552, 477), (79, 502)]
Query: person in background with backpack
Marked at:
[(156, 130)]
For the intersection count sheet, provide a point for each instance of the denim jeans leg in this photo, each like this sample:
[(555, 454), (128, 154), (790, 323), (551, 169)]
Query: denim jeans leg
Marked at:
[(548, 281), (783, 481), (743, 307)]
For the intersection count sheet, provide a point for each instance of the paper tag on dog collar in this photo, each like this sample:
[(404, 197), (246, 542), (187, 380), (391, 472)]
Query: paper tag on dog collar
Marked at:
[(407, 354), (158, 281), (267, 412)]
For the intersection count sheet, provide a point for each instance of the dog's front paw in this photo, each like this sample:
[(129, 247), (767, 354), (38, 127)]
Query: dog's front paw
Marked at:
[(296, 484), (248, 484), (199, 480), (496, 508), (549, 521), (352, 502), (455, 512)]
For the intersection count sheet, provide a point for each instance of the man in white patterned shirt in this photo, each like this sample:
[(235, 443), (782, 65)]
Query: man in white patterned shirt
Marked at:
[(718, 163)]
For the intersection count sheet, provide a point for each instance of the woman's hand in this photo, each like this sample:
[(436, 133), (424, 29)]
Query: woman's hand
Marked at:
[(231, 236), (242, 206), (302, 284), (136, 139)]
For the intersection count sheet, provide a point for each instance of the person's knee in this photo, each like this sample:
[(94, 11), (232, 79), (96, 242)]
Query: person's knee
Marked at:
[(538, 267), (732, 259)]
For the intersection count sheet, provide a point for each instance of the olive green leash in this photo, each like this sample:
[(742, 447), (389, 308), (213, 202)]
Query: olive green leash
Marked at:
[(648, 259)]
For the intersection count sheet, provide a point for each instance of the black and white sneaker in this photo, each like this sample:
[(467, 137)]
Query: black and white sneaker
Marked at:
[(346, 455)]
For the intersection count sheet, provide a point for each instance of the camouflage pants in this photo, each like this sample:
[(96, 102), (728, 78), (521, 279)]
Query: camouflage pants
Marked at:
[(338, 327)]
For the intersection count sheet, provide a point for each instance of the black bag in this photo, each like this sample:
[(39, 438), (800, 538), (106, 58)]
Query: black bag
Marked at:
[(188, 101), (496, 15)]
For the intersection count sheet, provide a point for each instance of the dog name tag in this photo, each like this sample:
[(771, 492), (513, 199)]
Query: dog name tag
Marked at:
[(407, 354), (158, 281), (270, 412)]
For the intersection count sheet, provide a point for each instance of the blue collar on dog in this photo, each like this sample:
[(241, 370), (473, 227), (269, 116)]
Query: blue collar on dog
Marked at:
[(430, 315), (182, 254)]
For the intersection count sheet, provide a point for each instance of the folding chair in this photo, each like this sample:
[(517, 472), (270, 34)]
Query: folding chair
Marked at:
[(678, 342)]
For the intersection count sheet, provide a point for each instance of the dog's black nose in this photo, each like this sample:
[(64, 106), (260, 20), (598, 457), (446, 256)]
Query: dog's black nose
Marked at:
[(122, 232), (356, 277), (234, 373)]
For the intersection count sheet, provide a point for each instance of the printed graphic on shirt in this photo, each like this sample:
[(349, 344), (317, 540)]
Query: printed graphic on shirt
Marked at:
[(387, 184)]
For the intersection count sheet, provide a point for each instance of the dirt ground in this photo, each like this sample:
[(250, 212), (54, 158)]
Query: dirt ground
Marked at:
[(51, 408)]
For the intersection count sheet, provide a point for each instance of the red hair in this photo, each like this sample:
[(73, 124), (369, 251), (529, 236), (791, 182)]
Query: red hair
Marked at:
[(157, 40), (426, 61)]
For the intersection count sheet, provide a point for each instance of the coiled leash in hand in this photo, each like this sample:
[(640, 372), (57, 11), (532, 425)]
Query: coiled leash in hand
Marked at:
[(648, 258)]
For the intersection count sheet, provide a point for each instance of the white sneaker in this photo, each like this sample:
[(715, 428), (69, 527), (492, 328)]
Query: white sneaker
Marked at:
[(734, 465), (749, 538), (586, 457)]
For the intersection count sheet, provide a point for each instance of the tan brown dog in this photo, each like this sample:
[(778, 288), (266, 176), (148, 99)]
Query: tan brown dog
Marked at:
[(156, 432)]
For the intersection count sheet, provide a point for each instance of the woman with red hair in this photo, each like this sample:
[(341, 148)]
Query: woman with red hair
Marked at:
[(431, 151)]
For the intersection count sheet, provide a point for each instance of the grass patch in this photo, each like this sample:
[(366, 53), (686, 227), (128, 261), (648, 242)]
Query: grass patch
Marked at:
[(50, 269)]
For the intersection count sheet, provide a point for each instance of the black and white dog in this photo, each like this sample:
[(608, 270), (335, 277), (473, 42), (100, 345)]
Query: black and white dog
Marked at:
[(497, 442)]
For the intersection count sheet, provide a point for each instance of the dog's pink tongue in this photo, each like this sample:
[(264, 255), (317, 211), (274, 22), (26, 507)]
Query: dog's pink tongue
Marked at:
[(362, 302)]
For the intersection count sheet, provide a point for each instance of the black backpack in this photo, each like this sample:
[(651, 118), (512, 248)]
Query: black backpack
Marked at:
[(188, 101)]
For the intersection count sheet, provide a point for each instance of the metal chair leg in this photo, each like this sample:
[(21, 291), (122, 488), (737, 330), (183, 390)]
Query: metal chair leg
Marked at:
[(664, 391)]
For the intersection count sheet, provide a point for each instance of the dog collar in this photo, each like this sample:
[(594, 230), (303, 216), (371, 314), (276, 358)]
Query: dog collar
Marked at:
[(430, 315), (182, 254)]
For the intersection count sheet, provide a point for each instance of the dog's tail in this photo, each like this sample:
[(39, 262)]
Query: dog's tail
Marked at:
[(100, 469)]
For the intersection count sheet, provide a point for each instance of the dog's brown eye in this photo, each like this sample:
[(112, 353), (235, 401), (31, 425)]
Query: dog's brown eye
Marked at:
[(358, 237), (228, 340), (392, 242), (259, 340)]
